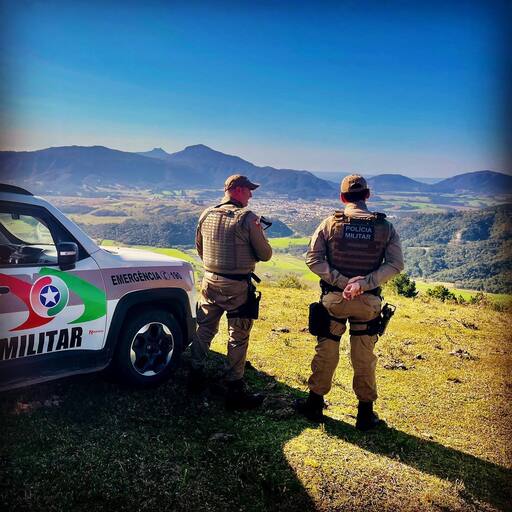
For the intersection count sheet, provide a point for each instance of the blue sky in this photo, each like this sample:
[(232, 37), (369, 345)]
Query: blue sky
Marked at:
[(347, 86)]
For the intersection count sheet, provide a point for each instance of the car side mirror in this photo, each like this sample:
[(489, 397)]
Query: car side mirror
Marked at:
[(67, 255)]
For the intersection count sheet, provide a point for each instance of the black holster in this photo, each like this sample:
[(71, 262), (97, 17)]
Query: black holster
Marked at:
[(320, 322), (251, 307), (378, 324), (385, 316)]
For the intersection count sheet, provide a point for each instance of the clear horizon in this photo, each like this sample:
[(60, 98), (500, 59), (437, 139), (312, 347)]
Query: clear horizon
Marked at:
[(403, 89)]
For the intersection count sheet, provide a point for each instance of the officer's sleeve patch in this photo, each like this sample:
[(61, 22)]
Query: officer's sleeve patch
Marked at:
[(359, 231)]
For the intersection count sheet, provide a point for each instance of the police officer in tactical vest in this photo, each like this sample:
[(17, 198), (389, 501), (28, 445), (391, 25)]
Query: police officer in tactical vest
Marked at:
[(229, 240), (353, 252)]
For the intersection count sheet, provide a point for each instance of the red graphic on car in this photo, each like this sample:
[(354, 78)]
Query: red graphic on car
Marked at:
[(49, 295), (23, 290)]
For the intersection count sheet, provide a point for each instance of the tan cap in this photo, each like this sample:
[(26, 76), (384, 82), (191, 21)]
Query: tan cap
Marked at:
[(237, 180), (353, 183)]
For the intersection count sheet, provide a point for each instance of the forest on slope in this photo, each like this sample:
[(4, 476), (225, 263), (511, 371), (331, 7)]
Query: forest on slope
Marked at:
[(471, 249)]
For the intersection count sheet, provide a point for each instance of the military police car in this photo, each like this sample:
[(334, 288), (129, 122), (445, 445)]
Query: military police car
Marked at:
[(68, 306)]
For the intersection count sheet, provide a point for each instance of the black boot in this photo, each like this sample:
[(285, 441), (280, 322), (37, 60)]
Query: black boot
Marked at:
[(312, 407), (196, 380), (238, 398), (366, 418)]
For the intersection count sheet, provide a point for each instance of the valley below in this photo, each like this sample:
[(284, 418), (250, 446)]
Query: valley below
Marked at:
[(457, 239)]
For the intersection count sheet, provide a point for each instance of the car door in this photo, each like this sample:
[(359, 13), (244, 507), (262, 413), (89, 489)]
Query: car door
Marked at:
[(52, 320)]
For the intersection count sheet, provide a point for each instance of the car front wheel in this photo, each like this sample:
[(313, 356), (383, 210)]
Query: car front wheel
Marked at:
[(149, 348)]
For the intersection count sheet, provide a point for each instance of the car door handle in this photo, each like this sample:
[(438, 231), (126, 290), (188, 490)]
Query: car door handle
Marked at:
[(4, 290)]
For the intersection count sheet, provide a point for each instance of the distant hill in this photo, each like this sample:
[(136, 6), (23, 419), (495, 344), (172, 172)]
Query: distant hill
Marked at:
[(396, 183), (483, 182), (71, 169), (200, 160), (480, 182), (203, 161), (74, 169), (155, 153)]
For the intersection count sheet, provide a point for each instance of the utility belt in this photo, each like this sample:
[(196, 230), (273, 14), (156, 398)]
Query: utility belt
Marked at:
[(320, 322), (251, 307), (239, 277), (328, 288)]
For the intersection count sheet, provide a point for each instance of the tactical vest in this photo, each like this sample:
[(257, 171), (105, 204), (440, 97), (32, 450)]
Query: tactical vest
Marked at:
[(226, 245), (356, 245)]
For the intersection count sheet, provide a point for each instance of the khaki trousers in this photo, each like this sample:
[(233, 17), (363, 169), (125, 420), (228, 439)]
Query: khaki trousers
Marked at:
[(360, 309), (220, 294)]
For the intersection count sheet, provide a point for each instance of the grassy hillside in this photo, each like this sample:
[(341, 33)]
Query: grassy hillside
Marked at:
[(444, 381)]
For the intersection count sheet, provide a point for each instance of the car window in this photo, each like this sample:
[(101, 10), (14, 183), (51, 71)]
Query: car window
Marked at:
[(28, 229), (25, 238), (29, 235)]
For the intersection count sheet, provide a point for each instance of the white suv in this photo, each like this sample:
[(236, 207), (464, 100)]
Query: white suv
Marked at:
[(68, 306)]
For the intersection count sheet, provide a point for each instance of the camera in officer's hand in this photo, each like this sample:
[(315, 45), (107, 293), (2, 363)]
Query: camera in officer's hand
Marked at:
[(265, 223)]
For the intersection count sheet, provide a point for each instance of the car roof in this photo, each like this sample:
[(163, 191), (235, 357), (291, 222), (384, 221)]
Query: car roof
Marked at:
[(13, 189)]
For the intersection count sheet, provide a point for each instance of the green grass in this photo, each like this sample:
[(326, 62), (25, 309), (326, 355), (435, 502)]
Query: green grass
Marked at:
[(87, 444), (287, 242), (281, 264)]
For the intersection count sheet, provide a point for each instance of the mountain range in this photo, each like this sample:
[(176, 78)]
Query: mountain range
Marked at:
[(74, 169)]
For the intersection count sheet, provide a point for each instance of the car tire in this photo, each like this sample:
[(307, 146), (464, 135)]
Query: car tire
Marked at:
[(148, 349)]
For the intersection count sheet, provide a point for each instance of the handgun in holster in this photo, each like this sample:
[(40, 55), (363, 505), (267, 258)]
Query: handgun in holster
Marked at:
[(265, 222), (387, 312), (251, 307), (376, 326)]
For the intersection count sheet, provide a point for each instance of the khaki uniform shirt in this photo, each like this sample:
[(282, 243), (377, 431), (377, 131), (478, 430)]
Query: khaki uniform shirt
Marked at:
[(255, 235), (316, 257)]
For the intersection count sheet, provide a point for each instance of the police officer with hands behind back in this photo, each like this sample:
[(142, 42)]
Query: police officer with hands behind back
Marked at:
[(353, 252), (229, 240)]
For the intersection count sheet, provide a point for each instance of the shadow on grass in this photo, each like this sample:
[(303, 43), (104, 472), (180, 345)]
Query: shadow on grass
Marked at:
[(482, 480), (105, 446)]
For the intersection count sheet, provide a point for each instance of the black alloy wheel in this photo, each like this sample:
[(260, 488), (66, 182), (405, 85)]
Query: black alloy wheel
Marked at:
[(148, 349), (152, 348)]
